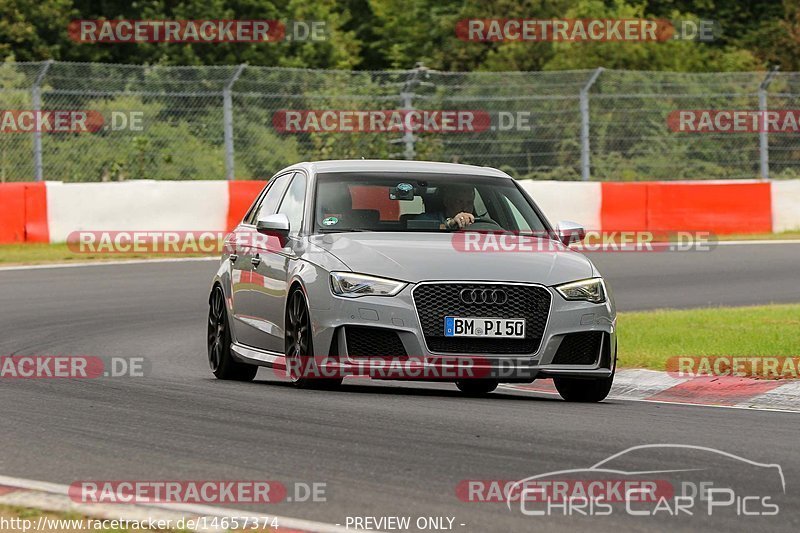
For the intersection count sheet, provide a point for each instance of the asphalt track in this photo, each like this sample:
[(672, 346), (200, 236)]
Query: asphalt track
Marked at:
[(381, 448)]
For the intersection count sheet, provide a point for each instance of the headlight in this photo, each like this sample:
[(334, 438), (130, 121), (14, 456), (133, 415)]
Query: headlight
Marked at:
[(352, 285), (589, 290)]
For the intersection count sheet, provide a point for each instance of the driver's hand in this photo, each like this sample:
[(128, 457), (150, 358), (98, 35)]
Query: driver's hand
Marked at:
[(463, 220)]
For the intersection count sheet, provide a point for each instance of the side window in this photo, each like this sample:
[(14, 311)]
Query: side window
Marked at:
[(519, 220), (270, 201), (294, 203), (480, 205), (250, 216)]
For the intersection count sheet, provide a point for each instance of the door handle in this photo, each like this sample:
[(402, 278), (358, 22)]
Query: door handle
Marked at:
[(233, 258), (256, 260)]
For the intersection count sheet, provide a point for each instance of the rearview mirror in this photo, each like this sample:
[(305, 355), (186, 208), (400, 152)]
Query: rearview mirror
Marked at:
[(569, 232), (403, 191), (274, 224)]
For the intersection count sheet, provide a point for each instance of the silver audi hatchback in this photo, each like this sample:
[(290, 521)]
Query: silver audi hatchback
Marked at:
[(409, 270)]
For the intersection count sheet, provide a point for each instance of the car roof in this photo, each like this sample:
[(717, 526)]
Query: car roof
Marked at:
[(391, 165)]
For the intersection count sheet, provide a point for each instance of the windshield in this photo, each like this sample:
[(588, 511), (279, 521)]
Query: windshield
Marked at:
[(416, 202)]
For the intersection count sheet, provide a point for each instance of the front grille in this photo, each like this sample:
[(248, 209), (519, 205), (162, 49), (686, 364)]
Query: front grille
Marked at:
[(579, 348), (373, 342), (435, 301)]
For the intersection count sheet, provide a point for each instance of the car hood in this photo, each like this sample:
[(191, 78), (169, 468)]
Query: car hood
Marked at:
[(431, 256)]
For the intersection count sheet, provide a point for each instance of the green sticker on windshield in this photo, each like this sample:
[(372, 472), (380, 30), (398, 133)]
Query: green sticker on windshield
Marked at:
[(330, 221)]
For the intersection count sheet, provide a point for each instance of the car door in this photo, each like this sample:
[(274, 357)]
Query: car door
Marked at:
[(246, 284), (271, 266)]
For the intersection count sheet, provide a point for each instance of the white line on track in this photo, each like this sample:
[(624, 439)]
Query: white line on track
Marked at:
[(216, 258), (645, 400), (764, 241), (108, 263), (133, 512)]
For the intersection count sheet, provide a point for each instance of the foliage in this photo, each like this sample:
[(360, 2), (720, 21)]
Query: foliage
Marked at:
[(380, 34), (183, 137)]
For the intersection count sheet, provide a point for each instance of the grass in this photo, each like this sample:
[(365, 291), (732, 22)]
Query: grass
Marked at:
[(647, 339), (40, 253), (788, 235), (27, 512), (675, 236)]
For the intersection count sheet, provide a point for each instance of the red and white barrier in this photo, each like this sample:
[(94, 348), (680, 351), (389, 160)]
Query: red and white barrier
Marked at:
[(23, 212), (136, 206), (721, 207), (48, 212), (785, 205), (576, 201), (723, 391)]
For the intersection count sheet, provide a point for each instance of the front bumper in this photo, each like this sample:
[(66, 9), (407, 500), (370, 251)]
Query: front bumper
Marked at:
[(399, 314)]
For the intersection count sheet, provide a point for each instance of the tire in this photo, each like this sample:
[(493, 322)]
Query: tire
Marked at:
[(477, 387), (584, 390), (219, 343), (299, 344)]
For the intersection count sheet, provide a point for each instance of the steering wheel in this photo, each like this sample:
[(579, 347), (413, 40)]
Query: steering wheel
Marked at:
[(483, 223)]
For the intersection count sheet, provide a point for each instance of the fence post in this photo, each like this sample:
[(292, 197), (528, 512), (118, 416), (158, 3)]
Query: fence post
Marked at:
[(407, 98), (763, 139), (584, 105), (36, 100), (227, 121), (408, 136)]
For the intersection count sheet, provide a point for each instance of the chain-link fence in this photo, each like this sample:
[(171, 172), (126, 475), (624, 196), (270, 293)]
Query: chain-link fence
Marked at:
[(215, 122)]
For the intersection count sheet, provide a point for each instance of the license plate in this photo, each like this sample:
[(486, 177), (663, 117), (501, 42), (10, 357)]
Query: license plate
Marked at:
[(507, 328)]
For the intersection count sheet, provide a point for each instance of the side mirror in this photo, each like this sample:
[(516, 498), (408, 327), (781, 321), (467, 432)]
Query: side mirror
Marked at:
[(273, 224), (569, 232)]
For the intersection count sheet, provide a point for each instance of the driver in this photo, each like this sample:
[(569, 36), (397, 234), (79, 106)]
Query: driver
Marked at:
[(458, 201)]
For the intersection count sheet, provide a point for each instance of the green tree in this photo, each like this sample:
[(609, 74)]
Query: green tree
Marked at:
[(672, 55)]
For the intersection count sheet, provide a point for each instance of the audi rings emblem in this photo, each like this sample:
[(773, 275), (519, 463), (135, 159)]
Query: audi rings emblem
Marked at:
[(484, 296)]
